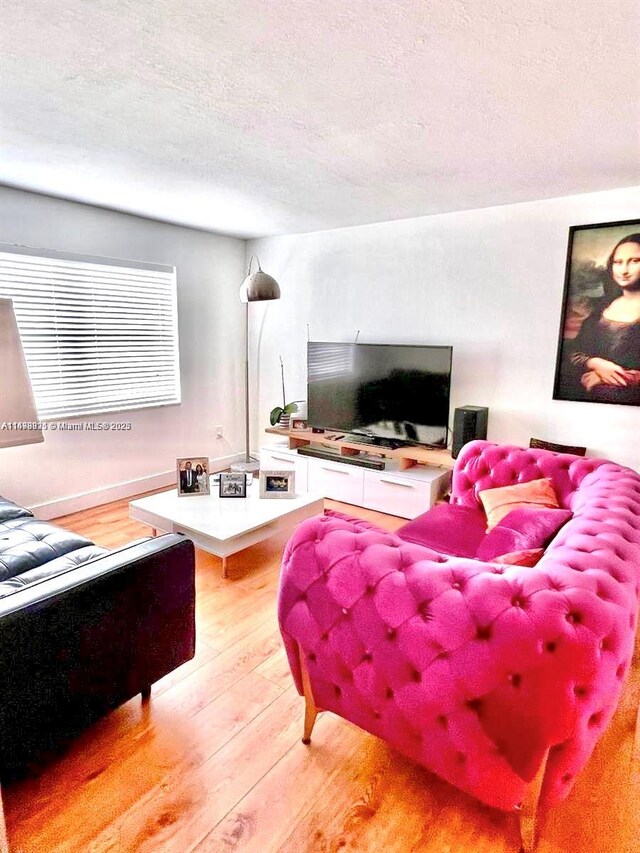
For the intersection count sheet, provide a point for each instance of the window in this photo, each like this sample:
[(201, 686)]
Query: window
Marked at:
[(99, 335)]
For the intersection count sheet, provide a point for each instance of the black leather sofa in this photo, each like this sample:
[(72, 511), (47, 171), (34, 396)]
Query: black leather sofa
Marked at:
[(82, 629)]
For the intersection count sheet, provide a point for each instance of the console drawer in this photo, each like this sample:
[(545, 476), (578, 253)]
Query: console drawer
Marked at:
[(336, 480), (275, 459), (404, 495)]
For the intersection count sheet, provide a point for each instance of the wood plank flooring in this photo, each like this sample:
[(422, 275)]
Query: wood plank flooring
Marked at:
[(214, 762)]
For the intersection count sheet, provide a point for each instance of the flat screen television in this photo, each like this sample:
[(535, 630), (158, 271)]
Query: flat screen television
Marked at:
[(393, 392)]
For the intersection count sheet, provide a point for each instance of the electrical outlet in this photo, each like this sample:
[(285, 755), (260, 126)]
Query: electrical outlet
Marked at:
[(219, 433)]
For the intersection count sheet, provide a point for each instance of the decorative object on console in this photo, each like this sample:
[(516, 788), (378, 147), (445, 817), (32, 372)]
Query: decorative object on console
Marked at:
[(500, 502), (257, 287), (500, 679), (233, 485), (192, 475), (469, 424), (18, 417), (277, 484), (281, 415), (539, 444), (598, 357)]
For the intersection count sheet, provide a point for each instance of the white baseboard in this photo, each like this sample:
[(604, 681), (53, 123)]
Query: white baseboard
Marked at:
[(107, 494)]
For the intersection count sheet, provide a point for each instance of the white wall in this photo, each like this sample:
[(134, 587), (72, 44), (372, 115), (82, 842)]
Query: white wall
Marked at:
[(489, 282), (211, 325)]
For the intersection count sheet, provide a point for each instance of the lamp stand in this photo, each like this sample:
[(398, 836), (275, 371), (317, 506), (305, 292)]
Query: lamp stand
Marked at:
[(249, 465)]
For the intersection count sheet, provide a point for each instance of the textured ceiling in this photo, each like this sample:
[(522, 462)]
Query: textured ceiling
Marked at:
[(257, 117)]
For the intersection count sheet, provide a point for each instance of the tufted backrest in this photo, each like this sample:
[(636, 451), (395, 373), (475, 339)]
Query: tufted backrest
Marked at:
[(482, 465)]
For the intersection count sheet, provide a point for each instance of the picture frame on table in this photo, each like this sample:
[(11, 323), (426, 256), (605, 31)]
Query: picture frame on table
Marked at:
[(192, 476), (232, 485), (299, 424), (598, 354), (277, 484)]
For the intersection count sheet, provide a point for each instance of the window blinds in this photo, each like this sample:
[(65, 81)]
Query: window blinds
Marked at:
[(98, 335)]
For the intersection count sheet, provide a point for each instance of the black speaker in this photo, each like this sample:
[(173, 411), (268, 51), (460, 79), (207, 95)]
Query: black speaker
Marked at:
[(469, 423)]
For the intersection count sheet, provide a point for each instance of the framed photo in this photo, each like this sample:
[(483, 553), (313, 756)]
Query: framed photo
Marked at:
[(277, 484), (233, 485), (299, 423), (192, 475), (598, 357)]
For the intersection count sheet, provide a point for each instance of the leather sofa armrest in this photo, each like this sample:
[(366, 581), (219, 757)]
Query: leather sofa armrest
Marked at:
[(88, 572), (78, 644)]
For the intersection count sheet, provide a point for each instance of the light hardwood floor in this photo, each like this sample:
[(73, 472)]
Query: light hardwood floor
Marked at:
[(214, 762)]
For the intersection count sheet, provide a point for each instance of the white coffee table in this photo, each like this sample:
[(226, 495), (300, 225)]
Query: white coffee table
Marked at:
[(224, 526)]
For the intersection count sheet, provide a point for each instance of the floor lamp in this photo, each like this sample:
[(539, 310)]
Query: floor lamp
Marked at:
[(17, 405), (257, 287)]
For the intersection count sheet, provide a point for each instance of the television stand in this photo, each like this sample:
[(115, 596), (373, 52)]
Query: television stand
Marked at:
[(406, 455), (350, 474)]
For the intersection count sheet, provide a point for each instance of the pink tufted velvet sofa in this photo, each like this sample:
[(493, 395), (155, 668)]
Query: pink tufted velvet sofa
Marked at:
[(498, 678)]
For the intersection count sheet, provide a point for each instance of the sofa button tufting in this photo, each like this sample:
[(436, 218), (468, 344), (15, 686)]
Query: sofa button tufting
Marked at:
[(514, 679), (389, 694), (367, 657), (391, 633), (337, 690), (425, 613), (442, 721), (484, 632), (551, 646), (456, 585), (416, 676), (312, 657), (580, 691), (345, 612), (517, 601)]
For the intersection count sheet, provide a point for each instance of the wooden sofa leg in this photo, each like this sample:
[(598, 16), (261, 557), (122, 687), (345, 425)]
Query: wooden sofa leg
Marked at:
[(4, 844), (146, 693), (529, 811), (310, 709)]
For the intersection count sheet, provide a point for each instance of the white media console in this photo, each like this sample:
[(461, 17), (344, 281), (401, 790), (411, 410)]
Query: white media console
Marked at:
[(406, 492)]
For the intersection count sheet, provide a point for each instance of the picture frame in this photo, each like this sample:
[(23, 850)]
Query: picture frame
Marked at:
[(277, 484), (598, 355), (299, 424), (232, 485), (192, 476)]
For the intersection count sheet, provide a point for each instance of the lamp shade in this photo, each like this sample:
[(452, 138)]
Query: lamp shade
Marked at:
[(17, 405), (259, 286)]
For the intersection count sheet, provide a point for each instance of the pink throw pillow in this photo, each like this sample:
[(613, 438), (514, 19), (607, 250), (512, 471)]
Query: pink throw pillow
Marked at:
[(521, 558), (522, 529), (501, 501)]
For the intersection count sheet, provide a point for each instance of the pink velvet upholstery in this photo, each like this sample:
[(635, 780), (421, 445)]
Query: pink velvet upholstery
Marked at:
[(452, 530), (474, 669)]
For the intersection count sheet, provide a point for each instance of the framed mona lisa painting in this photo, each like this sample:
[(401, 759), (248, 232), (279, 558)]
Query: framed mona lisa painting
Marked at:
[(598, 358)]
